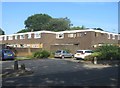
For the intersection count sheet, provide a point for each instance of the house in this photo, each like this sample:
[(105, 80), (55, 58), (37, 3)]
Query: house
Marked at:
[(71, 40)]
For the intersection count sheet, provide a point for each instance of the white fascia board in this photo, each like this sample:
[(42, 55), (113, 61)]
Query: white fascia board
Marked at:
[(62, 32)]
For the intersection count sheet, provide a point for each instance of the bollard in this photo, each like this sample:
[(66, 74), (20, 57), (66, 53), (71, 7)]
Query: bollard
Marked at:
[(22, 66), (95, 60), (15, 65)]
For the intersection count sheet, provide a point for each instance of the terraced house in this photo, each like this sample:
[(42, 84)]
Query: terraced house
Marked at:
[(72, 40)]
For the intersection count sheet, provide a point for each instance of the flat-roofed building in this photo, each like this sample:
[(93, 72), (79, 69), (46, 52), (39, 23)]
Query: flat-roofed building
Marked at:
[(71, 40)]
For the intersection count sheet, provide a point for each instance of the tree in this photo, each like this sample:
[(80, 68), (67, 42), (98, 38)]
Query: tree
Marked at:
[(37, 22), (99, 29), (24, 30), (2, 32), (58, 24), (78, 28)]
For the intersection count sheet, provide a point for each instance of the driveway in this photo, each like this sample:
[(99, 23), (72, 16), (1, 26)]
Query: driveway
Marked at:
[(57, 72)]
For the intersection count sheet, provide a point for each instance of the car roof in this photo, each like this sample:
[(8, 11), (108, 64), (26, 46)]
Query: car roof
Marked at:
[(5, 49), (84, 50)]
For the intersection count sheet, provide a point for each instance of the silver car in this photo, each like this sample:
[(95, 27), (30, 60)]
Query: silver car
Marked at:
[(62, 54)]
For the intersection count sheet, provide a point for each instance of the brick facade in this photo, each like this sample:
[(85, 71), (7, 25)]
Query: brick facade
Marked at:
[(72, 40)]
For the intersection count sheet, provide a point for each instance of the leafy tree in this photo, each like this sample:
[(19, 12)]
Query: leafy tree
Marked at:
[(40, 22), (24, 30), (83, 27), (58, 24), (1, 32), (37, 22), (99, 29), (78, 28)]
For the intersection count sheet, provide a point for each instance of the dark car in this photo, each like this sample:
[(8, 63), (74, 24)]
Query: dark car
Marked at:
[(62, 54), (6, 54)]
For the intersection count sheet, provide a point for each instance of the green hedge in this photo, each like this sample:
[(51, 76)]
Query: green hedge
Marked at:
[(105, 52), (41, 54)]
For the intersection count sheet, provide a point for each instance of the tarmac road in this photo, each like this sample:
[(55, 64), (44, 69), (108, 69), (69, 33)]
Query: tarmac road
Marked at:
[(57, 72)]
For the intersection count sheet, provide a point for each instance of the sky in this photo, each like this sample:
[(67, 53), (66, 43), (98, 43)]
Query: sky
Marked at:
[(90, 14)]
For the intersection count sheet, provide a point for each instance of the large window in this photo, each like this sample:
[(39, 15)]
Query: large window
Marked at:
[(22, 36), (109, 36), (10, 37), (5, 37), (16, 37), (71, 35), (60, 36), (37, 35), (113, 36), (29, 36)]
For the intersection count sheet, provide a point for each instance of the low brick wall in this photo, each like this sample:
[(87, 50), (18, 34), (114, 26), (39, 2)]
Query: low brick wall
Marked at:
[(24, 51)]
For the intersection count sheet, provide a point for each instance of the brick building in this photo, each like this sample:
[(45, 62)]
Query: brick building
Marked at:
[(72, 40)]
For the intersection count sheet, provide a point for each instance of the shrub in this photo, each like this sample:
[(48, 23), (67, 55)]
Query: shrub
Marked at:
[(91, 57), (108, 52), (41, 54)]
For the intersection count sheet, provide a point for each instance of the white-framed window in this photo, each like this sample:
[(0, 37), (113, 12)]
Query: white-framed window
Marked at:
[(37, 35), (70, 35), (29, 36), (109, 36), (60, 36), (16, 37), (96, 34), (22, 36), (5, 37), (113, 36), (1, 38), (82, 34), (10, 37)]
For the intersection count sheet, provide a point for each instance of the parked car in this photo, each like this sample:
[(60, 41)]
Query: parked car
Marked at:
[(63, 54), (6, 54), (80, 54)]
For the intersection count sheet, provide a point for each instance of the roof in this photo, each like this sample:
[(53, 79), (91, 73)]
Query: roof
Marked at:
[(68, 31)]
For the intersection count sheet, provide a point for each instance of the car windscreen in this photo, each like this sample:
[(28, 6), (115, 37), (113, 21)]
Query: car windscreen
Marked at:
[(7, 51), (79, 51), (58, 51), (88, 51)]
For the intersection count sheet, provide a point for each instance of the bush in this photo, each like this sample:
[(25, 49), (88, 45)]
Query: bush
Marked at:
[(108, 52), (41, 54), (92, 56)]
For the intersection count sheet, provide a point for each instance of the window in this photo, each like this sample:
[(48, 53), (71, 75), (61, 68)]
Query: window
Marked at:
[(29, 36), (96, 34), (113, 36), (22, 36), (37, 35), (16, 37), (5, 37), (10, 37), (82, 34), (109, 36), (59, 36), (71, 35)]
